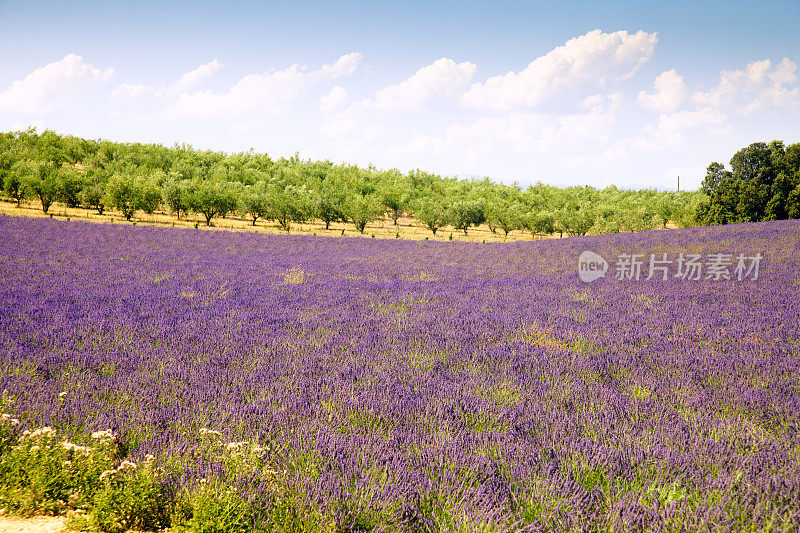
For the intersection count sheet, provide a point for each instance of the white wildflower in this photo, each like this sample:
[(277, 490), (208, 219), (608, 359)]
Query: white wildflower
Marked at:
[(103, 436), (126, 465), (74, 447), (41, 433)]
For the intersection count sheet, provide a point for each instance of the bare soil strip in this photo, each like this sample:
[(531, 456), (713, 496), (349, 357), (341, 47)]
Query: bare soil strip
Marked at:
[(38, 524), (407, 228)]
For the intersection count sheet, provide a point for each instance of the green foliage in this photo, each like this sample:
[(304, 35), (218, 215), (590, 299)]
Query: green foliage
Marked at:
[(329, 203), (432, 213), (467, 213), (132, 498), (123, 194), (793, 203), (42, 181), (41, 473), (510, 216), (291, 204), (175, 197), (13, 185), (133, 177), (207, 198), (759, 186), (69, 186), (149, 196), (394, 195), (255, 202), (575, 219), (213, 508), (361, 210), (228, 200), (93, 197), (541, 223)]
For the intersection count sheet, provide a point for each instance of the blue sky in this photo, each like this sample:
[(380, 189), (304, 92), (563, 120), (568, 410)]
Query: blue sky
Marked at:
[(567, 93)]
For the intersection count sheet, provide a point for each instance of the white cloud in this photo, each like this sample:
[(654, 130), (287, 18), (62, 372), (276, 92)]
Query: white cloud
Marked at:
[(670, 92), (333, 99), (338, 128), (594, 59), (595, 125), (188, 80), (266, 93), (128, 90), (444, 77), (487, 144), (195, 77), (346, 65), (671, 126), (758, 86), (46, 87), (669, 132), (592, 101)]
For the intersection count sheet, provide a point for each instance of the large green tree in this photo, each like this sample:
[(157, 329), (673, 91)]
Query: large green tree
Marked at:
[(13, 184), (758, 187), (362, 209), (467, 213), (122, 193), (254, 202), (206, 198), (43, 182)]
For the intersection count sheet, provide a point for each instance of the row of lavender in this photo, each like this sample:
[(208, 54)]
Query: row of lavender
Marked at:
[(420, 382)]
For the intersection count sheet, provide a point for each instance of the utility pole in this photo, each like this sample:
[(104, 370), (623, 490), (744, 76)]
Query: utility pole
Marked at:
[(679, 184)]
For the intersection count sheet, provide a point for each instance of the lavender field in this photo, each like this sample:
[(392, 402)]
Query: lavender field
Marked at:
[(388, 385)]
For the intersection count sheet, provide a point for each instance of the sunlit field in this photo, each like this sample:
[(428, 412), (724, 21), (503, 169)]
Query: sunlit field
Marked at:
[(310, 383)]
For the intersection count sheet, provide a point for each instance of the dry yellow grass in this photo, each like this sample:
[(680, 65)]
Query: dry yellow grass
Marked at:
[(39, 524), (407, 228)]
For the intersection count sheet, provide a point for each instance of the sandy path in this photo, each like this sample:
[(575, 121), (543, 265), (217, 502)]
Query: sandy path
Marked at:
[(39, 524)]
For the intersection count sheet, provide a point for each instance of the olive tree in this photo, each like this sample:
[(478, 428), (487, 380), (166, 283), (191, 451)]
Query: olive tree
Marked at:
[(206, 198), (42, 181), (255, 202), (176, 196), (467, 213), (432, 213), (122, 193), (362, 209), (13, 184)]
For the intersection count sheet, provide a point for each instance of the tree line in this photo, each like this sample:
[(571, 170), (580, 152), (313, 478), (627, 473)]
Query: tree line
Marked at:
[(134, 177), (763, 184)]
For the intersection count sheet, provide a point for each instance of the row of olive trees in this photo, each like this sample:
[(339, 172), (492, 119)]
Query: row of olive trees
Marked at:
[(133, 177), (49, 183), (345, 198)]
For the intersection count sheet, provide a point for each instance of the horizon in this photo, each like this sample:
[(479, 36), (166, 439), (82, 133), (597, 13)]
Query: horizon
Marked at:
[(632, 94)]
